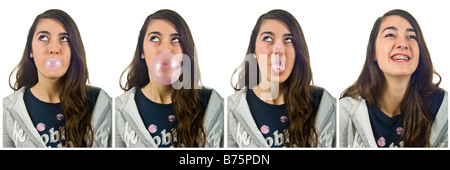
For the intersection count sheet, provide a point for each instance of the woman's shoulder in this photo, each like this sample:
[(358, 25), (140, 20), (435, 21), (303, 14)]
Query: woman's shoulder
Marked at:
[(208, 94), (234, 99), (346, 104), (326, 104), (210, 97), (439, 92), (124, 97), (442, 90), (436, 101), (102, 106), (96, 93), (93, 92), (205, 94), (13, 96), (350, 100), (318, 92), (237, 95)]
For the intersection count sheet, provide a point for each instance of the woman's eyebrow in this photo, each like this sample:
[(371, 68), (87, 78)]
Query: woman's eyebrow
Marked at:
[(271, 33), (390, 28), (43, 32), (154, 32), (175, 35), (64, 33), (267, 32), (395, 29), (288, 35), (48, 33), (410, 30)]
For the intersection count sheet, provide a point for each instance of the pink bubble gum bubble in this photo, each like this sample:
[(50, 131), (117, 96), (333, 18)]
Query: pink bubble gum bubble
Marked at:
[(53, 64), (165, 68), (278, 59)]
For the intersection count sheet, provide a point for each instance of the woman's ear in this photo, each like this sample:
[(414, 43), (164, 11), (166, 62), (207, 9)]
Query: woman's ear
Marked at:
[(31, 55)]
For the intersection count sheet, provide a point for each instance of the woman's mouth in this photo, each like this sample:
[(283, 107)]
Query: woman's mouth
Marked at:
[(165, 64), (278, 64), (400, 57)]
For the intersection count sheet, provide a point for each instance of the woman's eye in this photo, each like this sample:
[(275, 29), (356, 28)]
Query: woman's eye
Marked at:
[(288, 40), (389, 35), (267, 39), (176, 40), (64, 39), (154, 39), (412, 37), (43, 38)]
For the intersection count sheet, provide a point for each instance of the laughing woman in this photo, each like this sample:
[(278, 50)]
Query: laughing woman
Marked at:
[(159, 109), (394, 102), (52, 106), (275, 104)]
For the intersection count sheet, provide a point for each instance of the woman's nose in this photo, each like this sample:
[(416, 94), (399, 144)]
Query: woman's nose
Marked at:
[(278, 48)]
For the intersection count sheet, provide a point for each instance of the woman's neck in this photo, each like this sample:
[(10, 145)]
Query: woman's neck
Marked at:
[(46, 91), (392, 95), (158, 93), (270, 93)]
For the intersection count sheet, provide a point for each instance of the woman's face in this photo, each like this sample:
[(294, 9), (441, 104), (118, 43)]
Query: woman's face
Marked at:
[(161, 37), (275, 38), (396, 48), (50, 49)]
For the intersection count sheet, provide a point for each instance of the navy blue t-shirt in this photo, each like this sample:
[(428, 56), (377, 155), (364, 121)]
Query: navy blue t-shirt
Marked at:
[(160, 119), (388, 130), (48, 117), (272, 120)]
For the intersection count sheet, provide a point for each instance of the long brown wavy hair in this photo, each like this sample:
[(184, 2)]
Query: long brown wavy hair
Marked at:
[(414, 109), (296, 89), (72, 85), (186, 101)]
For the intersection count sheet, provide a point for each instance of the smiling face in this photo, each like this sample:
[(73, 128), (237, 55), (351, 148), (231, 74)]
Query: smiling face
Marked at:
[(161, 38), (396, 48), (50, 49), (274, 50)]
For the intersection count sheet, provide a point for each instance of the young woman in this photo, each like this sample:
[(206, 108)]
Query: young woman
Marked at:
[(52, 106), (394, 102), (156, 113), (275, 104)]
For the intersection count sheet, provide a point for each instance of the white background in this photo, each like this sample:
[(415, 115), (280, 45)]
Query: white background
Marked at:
[(336, 33)]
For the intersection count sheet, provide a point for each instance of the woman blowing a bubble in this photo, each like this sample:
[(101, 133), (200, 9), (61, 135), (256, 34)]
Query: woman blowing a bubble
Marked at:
[(164, 104), (275, 104), (52, 105)]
